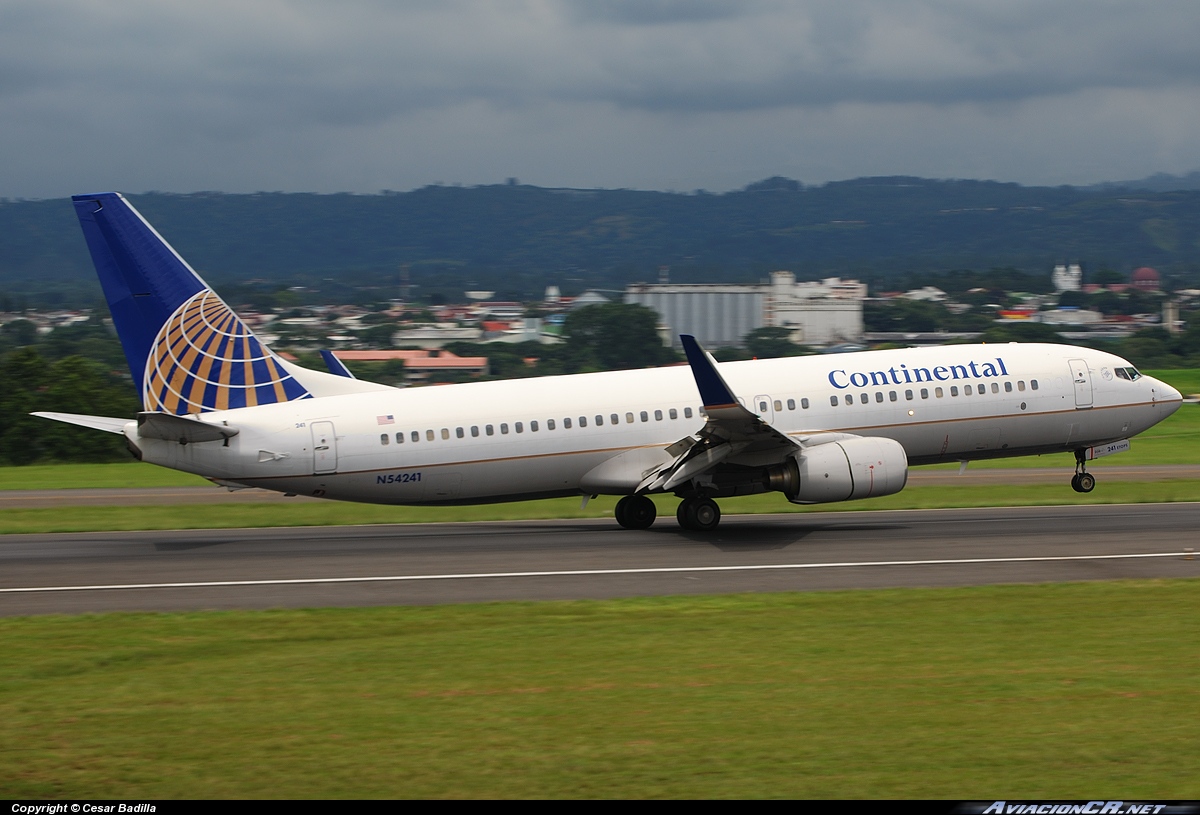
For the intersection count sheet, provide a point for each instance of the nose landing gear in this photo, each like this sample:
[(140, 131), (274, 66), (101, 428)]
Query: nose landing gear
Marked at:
[(1082, 481)]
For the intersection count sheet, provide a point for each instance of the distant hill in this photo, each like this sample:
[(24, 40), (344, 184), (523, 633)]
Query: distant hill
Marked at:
[(1159, 182), (515, 238)]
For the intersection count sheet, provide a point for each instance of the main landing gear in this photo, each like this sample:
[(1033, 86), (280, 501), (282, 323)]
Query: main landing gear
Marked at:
[(1082, 481), (697, 513), (636, 512)]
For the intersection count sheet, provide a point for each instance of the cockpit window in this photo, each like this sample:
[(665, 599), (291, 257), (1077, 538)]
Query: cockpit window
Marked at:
[(1133, 373), (1121, 373)]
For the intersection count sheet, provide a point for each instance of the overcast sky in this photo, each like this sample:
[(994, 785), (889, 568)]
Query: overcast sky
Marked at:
[(364, 95)]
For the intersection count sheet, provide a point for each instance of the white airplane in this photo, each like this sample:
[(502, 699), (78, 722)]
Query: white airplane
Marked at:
[(219, 403)]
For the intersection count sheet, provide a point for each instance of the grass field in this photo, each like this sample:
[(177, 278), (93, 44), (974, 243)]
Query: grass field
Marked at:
[(1080, 690)]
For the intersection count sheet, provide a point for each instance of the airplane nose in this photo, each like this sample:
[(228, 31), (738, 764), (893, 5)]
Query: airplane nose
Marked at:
[(1166, 393)]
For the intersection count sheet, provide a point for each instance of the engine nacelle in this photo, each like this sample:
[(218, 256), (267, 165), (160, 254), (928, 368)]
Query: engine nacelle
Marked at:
[(846, 470)]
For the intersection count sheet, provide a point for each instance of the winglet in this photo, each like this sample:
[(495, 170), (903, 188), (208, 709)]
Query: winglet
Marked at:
[(335, 365), (714, 391)]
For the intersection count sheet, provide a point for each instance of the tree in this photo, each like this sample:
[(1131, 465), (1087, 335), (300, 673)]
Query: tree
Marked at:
[(773, 341), (612, 337)]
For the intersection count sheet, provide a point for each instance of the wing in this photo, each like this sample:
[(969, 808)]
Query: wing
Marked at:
[(732, 434)]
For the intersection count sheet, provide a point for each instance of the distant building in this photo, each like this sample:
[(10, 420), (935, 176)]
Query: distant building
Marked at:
[(1067, 278), (419, 365), (819, 313), (1145, 279)]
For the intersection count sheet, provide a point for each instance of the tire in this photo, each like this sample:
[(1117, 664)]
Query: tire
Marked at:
[(681, 514), (1075, 483), (636, 512), (1087, 482), (703, 515)]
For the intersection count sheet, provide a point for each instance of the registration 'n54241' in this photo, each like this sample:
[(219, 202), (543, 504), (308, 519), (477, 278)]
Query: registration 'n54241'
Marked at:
[(397, 478)]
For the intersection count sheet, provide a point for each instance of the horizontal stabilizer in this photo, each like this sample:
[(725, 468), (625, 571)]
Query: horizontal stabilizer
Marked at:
[(183, 429), (106, 423)]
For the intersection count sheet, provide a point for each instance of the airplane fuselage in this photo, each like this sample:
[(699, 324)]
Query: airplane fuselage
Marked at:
[(508, 440)]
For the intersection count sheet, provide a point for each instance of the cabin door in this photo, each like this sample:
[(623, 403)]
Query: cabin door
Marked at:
[(324, 448), (1083, 383)]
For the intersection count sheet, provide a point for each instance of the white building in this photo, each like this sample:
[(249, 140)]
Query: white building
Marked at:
[(1067, 278), (819, 313)]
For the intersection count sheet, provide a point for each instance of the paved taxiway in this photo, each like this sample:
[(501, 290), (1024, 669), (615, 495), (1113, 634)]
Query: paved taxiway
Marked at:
[(448, 563), (918, 477)]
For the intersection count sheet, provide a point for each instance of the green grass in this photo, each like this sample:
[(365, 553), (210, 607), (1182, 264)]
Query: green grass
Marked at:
[(119, 518), (1082, 690), (94, 476)]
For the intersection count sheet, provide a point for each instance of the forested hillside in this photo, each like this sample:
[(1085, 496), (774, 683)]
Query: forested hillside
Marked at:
[(516, 239)]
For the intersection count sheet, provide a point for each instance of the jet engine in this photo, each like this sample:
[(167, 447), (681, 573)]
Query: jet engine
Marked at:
[(844, 470)]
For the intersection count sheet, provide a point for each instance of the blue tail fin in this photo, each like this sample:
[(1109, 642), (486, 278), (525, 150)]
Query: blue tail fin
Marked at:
[(187, 350)]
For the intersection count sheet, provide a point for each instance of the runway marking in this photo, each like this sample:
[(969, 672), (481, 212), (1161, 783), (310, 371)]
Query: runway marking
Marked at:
[(591, 572)]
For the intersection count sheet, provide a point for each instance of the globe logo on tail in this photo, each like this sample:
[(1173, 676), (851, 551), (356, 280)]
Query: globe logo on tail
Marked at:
[(205, 358)]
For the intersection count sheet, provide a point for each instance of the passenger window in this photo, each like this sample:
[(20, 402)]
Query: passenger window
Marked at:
[(1033, 384), (954, 390), (924, 393), (474, 431), (567, 422), (504, 428), (599, 420), (908, 395), (445, 433), (550, 424), (864, 399), (489, 430), (687, 413), (673, 414), (628, 418), (583, 421), (995, 388), (937, 392), (416, 436), (519, 427), (779, 405), (644, 416), (1008, 387), (966, 390), (428, 435), (400, 438), (804, 403), (458, 431), (383, 439), (849, 399), (658, 415), (878, 396), (791, 404), (762, 407), (1020, 384), (833, 401), (533, 426), (614, 419), (892, 396)]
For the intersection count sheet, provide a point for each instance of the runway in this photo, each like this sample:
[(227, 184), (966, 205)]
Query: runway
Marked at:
[(536, 560), (917, 477)]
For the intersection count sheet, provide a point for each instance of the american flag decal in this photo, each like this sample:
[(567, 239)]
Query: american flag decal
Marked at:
[(385, 419)]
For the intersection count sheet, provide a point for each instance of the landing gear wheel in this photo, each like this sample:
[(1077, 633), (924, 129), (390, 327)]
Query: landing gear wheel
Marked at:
[(698, 514), (1082, 481), (636, 512)]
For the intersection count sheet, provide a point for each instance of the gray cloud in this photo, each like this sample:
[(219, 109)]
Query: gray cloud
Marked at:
[(316, 91)]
